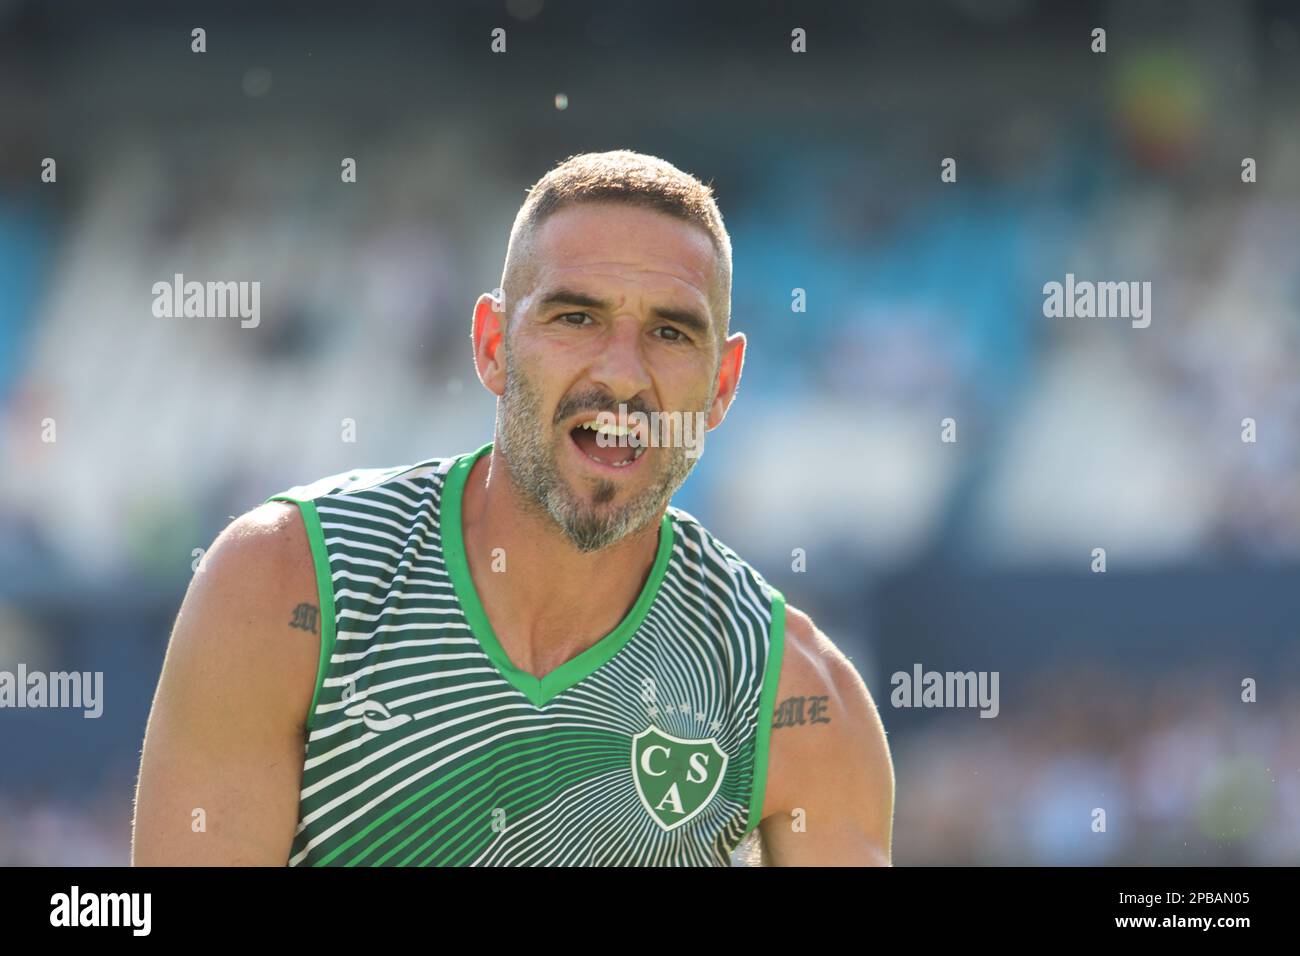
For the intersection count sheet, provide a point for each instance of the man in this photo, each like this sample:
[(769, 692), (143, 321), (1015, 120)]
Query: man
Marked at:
[(523, 655)]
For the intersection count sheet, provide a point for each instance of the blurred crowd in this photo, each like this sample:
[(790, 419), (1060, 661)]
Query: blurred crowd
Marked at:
[(91, 829), (1183, 771)]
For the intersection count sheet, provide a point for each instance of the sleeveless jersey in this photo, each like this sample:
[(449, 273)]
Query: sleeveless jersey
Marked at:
[(427, 746)]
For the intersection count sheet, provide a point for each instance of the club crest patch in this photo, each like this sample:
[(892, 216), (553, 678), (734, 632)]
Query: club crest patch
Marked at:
[(675, 778)]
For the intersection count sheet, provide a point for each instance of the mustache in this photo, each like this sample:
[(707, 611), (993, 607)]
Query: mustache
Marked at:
[(596, 400)]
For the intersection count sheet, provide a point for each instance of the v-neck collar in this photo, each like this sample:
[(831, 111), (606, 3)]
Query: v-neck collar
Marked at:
[(539, 690)]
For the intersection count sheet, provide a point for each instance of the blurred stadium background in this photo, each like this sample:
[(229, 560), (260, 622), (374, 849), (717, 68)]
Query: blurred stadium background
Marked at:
[(1118, 690)]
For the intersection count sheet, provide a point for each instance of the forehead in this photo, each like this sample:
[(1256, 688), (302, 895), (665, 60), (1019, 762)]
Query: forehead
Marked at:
[(609, 243)]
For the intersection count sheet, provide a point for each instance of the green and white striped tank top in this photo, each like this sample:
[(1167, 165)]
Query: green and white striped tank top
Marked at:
[(426, 746)]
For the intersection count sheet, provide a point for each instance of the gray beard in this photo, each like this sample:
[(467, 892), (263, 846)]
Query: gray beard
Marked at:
[(591, 525)]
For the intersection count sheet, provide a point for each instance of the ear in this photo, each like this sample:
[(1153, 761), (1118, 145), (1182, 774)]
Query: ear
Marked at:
[(489, 335), (733, 359)]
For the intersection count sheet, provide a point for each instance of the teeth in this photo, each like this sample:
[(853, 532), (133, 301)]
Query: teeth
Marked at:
[(606, 428), (636, 453)]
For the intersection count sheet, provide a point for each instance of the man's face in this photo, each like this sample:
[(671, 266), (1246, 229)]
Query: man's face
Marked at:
[(615, 310)]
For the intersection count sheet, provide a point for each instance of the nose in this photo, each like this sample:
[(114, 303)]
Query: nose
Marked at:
[(620, 366)]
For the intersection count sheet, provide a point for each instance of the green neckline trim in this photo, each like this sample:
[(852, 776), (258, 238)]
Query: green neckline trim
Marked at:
[(324, 589), (766, 709), (538, 690)]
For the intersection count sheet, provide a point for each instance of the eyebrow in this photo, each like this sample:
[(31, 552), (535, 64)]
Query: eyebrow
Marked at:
[(688, 318)]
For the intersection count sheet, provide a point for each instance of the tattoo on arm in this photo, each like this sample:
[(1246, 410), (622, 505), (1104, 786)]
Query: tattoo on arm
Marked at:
[(796, 711), (304, 618)]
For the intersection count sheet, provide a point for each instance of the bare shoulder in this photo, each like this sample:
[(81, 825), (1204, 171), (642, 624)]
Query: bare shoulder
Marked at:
[(266, 546), (828, 754), (815, 673), (252, 610)]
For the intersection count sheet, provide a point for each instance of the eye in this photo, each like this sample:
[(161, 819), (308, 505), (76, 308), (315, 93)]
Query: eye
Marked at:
[(674, 334), (574, 318)]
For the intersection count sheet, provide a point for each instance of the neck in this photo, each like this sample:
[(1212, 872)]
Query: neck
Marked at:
[(552, 601)]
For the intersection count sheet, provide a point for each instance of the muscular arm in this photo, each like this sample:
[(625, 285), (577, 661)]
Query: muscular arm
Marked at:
[(830, 786), (223, 752)]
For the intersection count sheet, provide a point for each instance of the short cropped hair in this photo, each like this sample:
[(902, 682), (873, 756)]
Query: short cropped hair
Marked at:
[(635, 179)]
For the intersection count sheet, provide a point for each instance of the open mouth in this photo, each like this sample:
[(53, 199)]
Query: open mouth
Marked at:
[(621, 445)]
